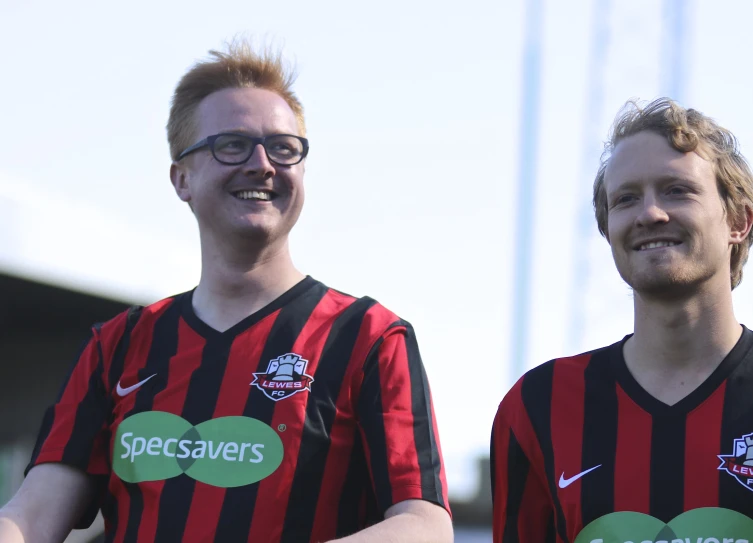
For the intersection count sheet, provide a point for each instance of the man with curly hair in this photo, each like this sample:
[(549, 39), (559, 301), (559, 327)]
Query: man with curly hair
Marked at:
[(651, 438)]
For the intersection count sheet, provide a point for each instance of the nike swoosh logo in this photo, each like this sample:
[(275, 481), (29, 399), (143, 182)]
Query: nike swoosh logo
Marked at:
[(567, 482), (126, 391)]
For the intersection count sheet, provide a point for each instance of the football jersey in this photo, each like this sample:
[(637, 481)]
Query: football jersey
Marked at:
[(582, 453), (305, 421)]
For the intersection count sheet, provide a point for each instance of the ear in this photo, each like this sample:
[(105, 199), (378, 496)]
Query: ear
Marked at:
[(179, 179), (741, 227)]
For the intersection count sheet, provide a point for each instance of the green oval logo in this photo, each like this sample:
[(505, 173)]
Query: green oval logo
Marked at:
[(224, 452), (704, 525)]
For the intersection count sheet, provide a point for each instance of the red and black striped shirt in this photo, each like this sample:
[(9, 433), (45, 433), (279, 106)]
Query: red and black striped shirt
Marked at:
[(351, 408), (578, 438)]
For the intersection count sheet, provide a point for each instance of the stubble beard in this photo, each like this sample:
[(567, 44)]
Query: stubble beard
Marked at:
[(667, 281)]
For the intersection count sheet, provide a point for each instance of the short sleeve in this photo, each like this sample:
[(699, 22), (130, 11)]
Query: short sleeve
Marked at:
[(522, 509), (397, 422), (74, 429)]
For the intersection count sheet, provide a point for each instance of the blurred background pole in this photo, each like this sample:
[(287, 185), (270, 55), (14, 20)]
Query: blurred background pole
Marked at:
[(593, 134), (527, 170), (675, 48)]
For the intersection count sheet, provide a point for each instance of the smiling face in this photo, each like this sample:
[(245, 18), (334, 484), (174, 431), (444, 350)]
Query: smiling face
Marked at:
[(257, 200), (666, 222)]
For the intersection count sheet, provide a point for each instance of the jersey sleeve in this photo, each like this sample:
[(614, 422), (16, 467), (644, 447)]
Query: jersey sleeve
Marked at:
[(74, 428), (522, 508), (397, 423)]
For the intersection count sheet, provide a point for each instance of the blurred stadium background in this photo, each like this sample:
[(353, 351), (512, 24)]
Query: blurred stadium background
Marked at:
[(552, 76)]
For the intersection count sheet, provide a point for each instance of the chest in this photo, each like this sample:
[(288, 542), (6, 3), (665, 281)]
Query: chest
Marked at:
[(616, 456), (236, 402)]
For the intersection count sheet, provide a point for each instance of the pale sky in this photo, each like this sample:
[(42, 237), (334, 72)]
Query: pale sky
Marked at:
[(413, 110)]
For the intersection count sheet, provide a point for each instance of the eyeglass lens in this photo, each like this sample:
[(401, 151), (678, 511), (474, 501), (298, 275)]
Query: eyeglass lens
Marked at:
[(234, 149)]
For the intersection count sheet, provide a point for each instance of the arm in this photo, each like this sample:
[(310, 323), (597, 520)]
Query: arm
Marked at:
[(399, 433), (49, 503), (63, 481), (522, 508), (410, 521)]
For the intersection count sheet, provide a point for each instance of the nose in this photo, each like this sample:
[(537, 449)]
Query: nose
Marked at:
[(259, 165), (651, 213)]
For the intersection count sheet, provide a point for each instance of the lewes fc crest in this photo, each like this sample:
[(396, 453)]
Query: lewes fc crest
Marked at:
[(739, 464), (285, 376)]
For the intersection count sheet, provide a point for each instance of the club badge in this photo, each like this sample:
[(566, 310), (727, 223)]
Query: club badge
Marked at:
[(285, 376)]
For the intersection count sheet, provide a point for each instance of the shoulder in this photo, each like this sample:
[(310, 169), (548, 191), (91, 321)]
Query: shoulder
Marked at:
[(373, 319), (564, 374), (136, 317)]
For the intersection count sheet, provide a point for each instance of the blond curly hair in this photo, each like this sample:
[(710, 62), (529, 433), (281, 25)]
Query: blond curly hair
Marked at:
[(686, 130)]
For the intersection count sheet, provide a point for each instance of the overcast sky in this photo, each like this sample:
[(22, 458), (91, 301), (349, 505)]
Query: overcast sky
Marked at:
[(414, 112)]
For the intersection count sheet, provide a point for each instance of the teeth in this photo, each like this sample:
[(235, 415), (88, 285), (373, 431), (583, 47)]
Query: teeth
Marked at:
[(253, 195), (655, 244)]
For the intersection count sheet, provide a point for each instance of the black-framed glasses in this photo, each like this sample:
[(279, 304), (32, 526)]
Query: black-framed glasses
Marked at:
[(233, 149)]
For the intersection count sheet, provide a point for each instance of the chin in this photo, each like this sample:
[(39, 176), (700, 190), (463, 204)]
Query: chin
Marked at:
[(665, 290), (261, 232), (255, 233), (671, 284), (255, 224)]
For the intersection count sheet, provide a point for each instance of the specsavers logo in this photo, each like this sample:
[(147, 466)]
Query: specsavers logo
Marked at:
[(225, 452), (705, 525)]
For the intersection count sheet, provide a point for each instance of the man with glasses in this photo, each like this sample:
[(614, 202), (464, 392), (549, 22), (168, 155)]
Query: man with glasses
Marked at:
[(260, 406), (236, 149)]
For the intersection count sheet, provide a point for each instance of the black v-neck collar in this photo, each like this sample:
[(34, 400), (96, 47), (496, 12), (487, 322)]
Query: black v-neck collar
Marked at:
[(206, 331), (654, 406)]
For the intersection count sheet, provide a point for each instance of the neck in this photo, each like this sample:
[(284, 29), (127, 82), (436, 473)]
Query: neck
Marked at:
[(685, 333), (678, 344), (238, 281)]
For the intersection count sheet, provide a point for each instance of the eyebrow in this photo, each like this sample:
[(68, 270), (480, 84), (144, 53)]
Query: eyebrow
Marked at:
[(239, 131), (663, 179)]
